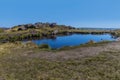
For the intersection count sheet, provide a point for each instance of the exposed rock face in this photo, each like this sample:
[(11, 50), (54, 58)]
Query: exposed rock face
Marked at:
[(55, 32), (21, 28)]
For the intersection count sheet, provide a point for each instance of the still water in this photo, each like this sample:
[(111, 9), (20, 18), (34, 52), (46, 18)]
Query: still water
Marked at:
[(73, 40)]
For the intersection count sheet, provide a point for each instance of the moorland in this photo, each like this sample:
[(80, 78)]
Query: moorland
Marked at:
[(28, 61)]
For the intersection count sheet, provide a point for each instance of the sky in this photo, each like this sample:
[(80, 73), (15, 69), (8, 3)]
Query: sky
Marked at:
[(77, 13)]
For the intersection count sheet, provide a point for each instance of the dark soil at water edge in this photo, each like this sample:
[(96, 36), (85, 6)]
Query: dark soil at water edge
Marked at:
[(92, 62)]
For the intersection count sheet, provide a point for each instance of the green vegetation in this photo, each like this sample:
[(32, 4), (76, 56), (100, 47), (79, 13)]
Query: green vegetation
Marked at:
[(28, 61), (44, 46), (18, 64), (32, 31), (88, 44), (116, 33), (1, 30), (42, 30)]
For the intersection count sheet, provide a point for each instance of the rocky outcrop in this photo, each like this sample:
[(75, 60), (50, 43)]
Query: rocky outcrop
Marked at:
[(40, 25)]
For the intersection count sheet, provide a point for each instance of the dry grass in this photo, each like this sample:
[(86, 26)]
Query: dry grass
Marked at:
[(20, 65)]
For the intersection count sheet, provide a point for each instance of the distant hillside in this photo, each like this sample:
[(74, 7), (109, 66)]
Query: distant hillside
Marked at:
[(2, 29), (98, 28)]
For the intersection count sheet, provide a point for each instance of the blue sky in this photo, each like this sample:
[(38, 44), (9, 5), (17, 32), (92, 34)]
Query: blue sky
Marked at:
[(78, 13)]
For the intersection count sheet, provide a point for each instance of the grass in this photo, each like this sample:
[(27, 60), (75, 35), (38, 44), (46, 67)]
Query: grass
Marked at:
[(104, 66), (88, 44), (13, 35), (44, 46), (16, 64)]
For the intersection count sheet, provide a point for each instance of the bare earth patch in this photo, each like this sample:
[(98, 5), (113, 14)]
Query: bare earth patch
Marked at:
[(78, 52)]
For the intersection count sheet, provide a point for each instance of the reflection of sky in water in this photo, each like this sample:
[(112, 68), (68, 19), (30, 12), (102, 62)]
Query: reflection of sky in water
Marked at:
[(73, 40)]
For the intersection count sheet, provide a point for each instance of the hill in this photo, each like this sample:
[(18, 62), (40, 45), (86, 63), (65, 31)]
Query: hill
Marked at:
[(40, 25), (36, 30)]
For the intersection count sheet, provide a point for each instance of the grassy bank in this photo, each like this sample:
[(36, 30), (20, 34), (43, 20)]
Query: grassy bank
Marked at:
[(88, 44), (44, 47), (18, 62), (104, 66), (27, 35), (28, 61), (42, 30)]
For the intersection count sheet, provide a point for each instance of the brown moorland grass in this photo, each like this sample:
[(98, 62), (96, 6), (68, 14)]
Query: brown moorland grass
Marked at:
[(32, 64)]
